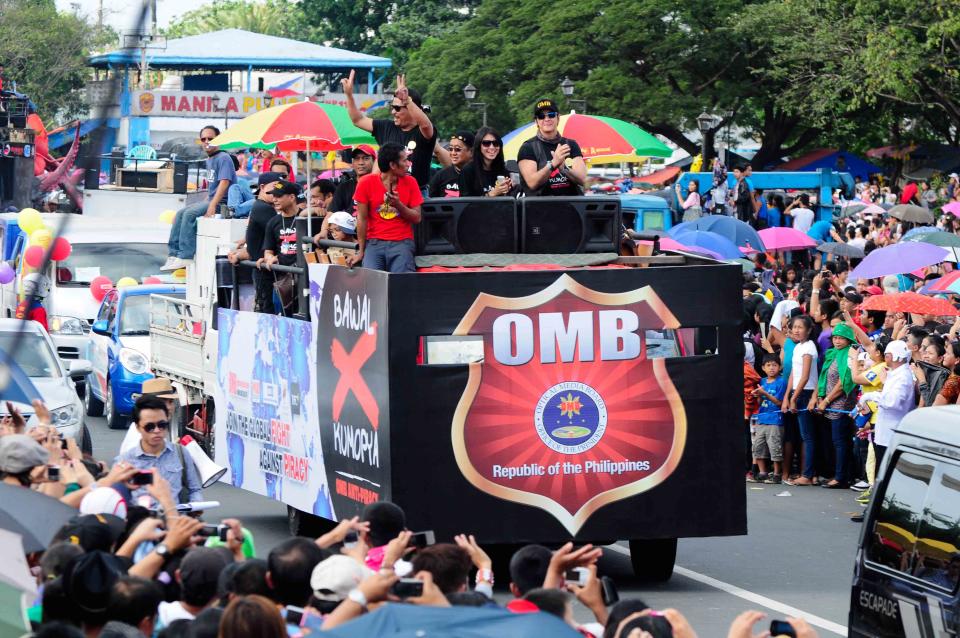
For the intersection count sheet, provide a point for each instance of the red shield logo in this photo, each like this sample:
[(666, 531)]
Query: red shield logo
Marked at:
[(566, 412)]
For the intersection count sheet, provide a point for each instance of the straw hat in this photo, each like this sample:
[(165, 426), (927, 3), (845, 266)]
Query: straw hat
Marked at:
[(159, 387)]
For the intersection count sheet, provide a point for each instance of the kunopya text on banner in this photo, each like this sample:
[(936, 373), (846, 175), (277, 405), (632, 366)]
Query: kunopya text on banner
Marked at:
[(266, 432), (230, 104), (565, 412)]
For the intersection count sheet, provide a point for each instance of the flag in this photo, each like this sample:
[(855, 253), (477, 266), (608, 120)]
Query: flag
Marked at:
[(285, 89)]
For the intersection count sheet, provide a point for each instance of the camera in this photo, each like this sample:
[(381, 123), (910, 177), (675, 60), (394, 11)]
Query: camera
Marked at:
[(53, 473), (423, 539), (143, 477), (577, 576), (782, 628), (220, 531), (407, 588), (293, 615)]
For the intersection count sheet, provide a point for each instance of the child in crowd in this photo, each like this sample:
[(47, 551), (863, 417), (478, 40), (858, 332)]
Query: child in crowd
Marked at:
[(750, 402), (768, 431)]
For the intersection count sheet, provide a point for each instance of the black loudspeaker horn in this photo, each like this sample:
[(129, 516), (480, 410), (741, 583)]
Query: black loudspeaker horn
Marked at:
[(567, 225), (459, 225)]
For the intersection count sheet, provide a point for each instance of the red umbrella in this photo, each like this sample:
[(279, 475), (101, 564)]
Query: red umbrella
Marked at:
[(911, 302)]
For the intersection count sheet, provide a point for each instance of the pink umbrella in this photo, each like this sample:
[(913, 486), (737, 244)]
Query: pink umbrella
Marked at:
[(952, 207), (783, 238), (873, 209)]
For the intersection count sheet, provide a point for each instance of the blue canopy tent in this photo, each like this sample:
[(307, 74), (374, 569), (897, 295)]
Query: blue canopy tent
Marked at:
[(834, 159)]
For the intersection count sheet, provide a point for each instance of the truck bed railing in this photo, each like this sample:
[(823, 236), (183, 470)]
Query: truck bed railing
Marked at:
[(176, 317)]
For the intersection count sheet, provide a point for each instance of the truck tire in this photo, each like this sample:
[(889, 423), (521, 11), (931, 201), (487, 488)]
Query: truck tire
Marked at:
[(309, 525), (86, 443), (653, 559), (115, 420), (91, 404)]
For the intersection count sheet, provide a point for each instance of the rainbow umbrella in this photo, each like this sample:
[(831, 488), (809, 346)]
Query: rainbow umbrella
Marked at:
[(298, 126), (598, 136)]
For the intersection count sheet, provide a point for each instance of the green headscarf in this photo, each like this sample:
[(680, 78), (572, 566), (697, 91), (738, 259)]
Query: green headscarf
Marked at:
[(840, 356)]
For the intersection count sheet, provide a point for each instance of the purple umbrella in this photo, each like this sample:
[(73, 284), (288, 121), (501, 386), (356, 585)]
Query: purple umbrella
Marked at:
[(897, 259)]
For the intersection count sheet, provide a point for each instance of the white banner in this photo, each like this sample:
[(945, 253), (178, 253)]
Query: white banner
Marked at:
[(236, 105)]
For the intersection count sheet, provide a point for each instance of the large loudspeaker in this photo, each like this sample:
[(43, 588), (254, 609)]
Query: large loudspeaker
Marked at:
[(459, 225), (568, 225), (91, 176), (180, 170)]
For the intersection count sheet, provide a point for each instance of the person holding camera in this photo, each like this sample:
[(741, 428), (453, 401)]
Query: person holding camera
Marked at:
[(157, 451)]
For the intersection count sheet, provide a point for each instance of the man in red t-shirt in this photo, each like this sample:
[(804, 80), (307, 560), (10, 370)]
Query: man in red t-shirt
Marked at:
[(388, 205)]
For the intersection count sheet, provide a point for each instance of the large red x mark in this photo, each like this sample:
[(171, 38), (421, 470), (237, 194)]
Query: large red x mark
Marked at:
[(350, 378)]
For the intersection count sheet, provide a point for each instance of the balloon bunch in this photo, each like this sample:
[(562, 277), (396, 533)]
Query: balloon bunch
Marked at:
[(41, 241)]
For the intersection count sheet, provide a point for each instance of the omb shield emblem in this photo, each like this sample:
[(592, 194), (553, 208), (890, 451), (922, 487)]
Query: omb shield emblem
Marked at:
[(570, 417), (565, 412)]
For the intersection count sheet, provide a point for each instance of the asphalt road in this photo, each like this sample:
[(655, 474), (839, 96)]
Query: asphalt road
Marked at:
[(796, 559)]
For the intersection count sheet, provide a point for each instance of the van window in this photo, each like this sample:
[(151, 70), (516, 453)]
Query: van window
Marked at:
[(894, 534), (937, 555)]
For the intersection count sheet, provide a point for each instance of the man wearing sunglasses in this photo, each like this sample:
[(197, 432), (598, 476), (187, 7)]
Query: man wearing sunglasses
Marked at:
[(446, 182), (182, 245), (157, 451), (551, 164), (410, 127)]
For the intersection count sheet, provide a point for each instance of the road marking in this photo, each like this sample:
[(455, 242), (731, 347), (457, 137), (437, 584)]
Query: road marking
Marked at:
[(739, 592)]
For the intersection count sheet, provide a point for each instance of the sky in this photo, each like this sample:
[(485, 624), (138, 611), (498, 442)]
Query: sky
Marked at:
[(120, 14)]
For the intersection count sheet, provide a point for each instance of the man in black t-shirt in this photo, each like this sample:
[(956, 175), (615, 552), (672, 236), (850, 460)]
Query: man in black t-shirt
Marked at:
[(362, 159), (551, 164), (280, 236), (410, 127), (446, 182), (252, 248)]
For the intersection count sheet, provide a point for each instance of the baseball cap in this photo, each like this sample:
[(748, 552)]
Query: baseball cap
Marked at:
[(201, 567), (284, 187), (333, 578), (366, 149), (89, 578), (874, 290), (92, 531), (898, 350), (104, 500), (853, 297), (344, 221), (19, 453), (953, 175), (268, 177), (464, 136), (545, 104)]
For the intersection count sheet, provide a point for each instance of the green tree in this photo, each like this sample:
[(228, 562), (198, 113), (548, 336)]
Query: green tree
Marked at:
[(281, 18), (45, 52)]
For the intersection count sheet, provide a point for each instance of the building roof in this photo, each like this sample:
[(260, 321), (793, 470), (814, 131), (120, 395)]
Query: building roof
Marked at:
[(236, 49)]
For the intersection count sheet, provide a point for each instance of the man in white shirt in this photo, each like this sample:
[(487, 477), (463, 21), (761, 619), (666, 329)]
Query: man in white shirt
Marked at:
[(799, 209), (896, 399)]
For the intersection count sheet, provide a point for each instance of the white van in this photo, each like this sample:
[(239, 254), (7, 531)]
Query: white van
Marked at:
[(114, 248)]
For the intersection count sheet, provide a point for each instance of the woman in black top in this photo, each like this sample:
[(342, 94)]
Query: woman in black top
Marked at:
[(487, 174)]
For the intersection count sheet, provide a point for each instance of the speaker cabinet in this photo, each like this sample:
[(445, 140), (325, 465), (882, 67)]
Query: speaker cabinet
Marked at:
[(569, 225), (461, 225)]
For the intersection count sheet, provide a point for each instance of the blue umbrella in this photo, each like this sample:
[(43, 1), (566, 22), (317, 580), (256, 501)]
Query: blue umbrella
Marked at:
[(711, 241), (15, 385), (918, 231), (396, 621), (738, 232)]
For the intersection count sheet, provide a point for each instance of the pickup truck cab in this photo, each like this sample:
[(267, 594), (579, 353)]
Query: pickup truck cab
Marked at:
[(119, 350), (908, 562)]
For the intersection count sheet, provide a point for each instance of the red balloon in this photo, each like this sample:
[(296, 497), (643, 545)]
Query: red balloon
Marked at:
[(100, 286), (33, 256), (61, 249), (152, 280)]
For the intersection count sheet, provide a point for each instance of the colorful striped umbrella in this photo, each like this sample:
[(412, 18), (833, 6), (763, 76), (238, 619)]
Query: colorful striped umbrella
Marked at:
[(298, 126), (597, 136), (911, 302), (950, 282)]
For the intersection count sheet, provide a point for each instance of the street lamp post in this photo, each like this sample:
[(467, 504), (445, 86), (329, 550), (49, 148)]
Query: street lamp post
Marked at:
[(705, 122), (567, 87), (470, 92)]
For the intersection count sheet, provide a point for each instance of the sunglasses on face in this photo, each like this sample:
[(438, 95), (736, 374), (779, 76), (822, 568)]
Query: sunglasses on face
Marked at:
[(204, 140), (489, 143), (159, 425), (397, 107), (546, 115), (457, 149)]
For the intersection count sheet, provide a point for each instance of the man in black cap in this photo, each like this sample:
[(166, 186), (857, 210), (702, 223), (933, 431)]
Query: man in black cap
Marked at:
[(92, 532), (280, 238), (252, 248), (362, 160), (198, 575), (446, 182), (410, 127), (88, 583), (551, 164)]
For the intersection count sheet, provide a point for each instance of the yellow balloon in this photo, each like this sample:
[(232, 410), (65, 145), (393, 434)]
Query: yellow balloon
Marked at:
[(41, 237), (126, 281), (167, 216), (29, 220)]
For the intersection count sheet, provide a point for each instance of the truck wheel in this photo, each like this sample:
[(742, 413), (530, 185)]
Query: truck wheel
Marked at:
[(86, 443), (91, 404), (115, 420), (653, 559), (309, 525)]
